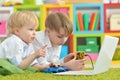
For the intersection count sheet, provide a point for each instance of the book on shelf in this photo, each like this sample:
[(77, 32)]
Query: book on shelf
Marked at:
[(54, 10), (77, 24), (80, 21), (64, 10), (96, 25), (83, 23), (86, 21), (94, 22), (115, 22)]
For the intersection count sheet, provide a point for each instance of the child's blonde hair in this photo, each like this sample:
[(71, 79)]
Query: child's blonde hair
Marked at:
[(58, 20), (19, 18)]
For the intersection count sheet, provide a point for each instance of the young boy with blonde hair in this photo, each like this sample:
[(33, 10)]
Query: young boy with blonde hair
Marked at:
[(57, 31), (17, 47)]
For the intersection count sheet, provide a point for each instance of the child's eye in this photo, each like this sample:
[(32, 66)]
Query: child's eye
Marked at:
[(31, 29), (59, 36)]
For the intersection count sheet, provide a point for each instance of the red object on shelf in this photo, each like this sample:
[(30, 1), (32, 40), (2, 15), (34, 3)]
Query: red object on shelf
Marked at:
[(92, 21), (71, 43), (80, 21), (106, 25)]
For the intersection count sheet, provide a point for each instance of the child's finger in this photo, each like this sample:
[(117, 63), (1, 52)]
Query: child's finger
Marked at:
[(43, 47)]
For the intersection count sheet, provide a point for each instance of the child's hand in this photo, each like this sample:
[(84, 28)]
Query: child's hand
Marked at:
[(50, 65), (53, 64), (75, 64), (41, 51), (69, 57), (47, 66)]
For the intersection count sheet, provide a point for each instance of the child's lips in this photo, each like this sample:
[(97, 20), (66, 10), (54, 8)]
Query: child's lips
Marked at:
[(33, 38)]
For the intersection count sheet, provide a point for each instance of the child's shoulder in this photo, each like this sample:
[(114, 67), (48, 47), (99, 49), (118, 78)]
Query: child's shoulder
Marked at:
[(40, 32), (40, 35), (13, 39)]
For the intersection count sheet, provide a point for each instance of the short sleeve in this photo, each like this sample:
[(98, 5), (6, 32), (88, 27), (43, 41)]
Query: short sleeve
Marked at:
[(16, 60), (15, 54)]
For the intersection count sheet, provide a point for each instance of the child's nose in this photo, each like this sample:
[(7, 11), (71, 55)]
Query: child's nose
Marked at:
[(63, 40), (34, 33)]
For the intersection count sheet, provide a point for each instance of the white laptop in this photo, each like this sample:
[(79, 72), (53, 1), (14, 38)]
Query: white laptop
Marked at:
[(103, 61)]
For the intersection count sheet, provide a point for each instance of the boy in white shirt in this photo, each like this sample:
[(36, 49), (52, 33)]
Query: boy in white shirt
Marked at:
[(17, 47), (57, 31)]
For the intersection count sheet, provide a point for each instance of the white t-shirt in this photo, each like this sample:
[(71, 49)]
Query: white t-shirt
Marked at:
[(52, 53), (15, 50)]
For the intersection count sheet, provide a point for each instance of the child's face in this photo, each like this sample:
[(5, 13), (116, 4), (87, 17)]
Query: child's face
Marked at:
[(27, 33), (56, 38)]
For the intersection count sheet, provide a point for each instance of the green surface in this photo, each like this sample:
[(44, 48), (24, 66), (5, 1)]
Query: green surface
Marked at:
[(112, 74)]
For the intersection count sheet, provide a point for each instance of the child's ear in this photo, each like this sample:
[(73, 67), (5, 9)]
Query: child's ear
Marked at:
[(16, 31), (47, 30)]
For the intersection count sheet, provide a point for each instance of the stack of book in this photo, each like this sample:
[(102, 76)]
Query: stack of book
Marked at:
[(87, 23)]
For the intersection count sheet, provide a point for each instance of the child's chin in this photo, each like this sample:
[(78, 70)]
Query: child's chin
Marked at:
[(61, 44), (30, 41)]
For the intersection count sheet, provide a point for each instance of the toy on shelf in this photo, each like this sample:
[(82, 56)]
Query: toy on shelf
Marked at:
[(55, 69)]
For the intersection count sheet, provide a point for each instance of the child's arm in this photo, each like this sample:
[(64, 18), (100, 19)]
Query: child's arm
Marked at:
[(40, 67), (72, 64), (26, 62)]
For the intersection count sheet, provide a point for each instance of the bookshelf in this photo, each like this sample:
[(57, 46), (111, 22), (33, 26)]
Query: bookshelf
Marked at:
[(111, 25), (109, 10), (86, 11), (79, 37), (4, 15), (90, 44), (86, 37), (36, 9), (65, 8), (116, 57)]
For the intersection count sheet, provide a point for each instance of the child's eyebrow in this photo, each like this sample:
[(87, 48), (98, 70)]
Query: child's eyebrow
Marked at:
[(61, 34)]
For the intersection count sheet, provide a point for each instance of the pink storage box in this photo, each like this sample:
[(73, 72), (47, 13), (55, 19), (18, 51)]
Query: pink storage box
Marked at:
[(2, 27)]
